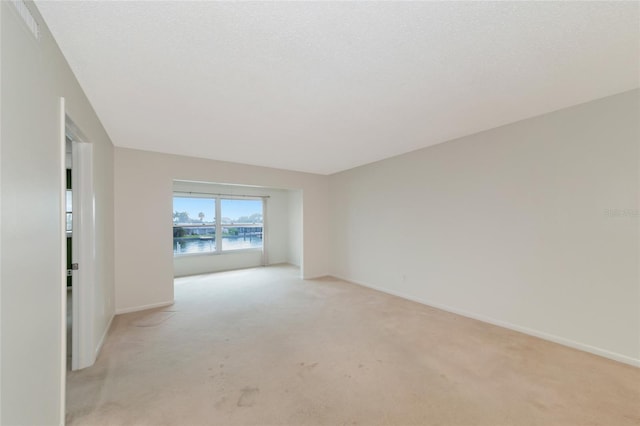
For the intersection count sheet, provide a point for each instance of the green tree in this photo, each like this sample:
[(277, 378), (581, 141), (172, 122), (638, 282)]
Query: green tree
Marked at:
[(201, 216), (183, 217), (256, 218)]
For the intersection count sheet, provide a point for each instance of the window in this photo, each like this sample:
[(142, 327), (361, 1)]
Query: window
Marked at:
[(241, 224), (69, 205), (215, 224), (69, 211), (194, 225)]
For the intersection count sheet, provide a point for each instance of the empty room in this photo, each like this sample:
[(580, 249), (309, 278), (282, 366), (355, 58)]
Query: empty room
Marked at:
[(319, 213)]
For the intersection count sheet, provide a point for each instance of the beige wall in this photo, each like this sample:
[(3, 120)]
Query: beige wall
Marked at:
[(516, 226), (143, 191), (295, 228), (34, 76)]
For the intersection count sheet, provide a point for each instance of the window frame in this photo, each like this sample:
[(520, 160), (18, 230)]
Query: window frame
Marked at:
[(218, 225)]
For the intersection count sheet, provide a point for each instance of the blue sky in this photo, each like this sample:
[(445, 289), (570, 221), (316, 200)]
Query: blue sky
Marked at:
[(232, 209)]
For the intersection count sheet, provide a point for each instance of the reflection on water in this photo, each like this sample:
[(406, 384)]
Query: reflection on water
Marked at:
[(187, 246)]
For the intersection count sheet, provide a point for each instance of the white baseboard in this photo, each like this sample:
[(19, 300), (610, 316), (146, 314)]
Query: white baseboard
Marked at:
[(142, 308), (539, 334), (103, 338)]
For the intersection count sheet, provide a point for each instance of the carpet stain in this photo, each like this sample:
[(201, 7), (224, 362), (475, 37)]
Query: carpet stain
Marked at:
[(248, 397), (218, 404), (305, 369)]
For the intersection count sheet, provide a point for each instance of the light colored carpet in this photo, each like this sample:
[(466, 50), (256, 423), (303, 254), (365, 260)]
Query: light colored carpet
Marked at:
[(262, 347)]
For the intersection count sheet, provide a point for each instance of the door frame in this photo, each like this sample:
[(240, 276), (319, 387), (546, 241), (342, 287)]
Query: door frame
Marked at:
[(83, 253), (63, 257)]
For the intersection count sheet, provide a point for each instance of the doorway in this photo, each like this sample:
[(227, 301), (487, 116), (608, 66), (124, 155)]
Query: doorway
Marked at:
[(79, 243), (69, 245)]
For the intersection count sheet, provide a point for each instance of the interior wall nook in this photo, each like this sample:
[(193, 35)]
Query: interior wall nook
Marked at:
[(144, 188), (283, 229)]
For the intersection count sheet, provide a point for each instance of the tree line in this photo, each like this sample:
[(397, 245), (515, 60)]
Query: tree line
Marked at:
[(183, 217)]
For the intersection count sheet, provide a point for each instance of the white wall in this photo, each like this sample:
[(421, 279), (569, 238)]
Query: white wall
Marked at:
[(295, 228), (277, 241), (516, 226), (144, 190), (34, 76)]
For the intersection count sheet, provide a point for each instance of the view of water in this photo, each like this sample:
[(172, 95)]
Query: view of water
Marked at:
[(187, 246)]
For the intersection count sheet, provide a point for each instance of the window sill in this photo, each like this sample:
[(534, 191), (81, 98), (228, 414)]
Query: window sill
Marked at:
[(216, 253)]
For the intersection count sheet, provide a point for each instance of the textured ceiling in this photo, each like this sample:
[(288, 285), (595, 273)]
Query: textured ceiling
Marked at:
[(323, 87)]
